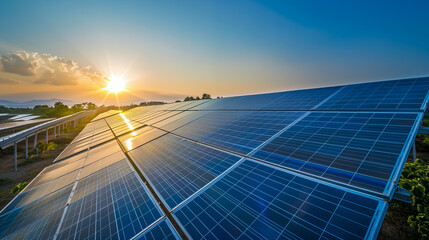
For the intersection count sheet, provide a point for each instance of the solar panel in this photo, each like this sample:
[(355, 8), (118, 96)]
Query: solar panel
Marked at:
[(162, 230), (409, 95), (241, 132), (292, 100), (255, 201), (316, 163), (358, 149), (31, 213), (42, 229), (177, 168), (140, 137), (120, 209)]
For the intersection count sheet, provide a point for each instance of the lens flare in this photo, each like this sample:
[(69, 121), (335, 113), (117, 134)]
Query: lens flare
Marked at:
[(115, 85)]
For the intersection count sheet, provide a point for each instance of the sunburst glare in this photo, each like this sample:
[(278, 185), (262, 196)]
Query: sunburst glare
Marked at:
[(115, 84)]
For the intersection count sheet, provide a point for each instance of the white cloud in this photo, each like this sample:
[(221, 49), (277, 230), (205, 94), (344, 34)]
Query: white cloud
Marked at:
[(49, 69)]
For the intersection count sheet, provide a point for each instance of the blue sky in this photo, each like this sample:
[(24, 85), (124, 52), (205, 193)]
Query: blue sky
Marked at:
[(167, 48)]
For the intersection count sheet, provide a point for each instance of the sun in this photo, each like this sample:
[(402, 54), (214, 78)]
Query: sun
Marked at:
[(115, 85)]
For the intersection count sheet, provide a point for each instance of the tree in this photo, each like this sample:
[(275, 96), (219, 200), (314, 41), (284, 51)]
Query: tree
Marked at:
[(60, 109), (189, 99), (77, 108), (41, 110), (88, 106), (206, 96)]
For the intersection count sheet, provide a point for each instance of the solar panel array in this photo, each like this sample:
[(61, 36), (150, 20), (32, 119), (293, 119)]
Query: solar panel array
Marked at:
[(317, 163)]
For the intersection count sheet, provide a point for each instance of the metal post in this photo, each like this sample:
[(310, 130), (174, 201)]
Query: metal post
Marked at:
[(55, 131), (35, 140), (15, 158), (47, 135), (35, 144), (414, 151), (26, 147)]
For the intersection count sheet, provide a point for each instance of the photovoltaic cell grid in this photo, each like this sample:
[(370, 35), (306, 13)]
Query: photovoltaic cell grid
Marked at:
[(177, 168), (255, 201), (359, 149), (241, 132), (162, 230), (293, 100), (317, 159), (406, 94), (104, 190), (28, 214), (106, 114), (118, 210)]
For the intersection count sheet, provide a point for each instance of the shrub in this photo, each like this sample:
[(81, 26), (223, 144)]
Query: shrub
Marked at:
[(415, 178), (19, 187), (43, 147)]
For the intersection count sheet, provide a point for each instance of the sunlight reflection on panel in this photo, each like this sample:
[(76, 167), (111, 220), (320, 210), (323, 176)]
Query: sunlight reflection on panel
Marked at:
[(127, 121), (129, 143)]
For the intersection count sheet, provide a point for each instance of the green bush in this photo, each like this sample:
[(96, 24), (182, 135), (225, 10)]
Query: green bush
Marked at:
[(43, 147), (19, 187), (415, 178)]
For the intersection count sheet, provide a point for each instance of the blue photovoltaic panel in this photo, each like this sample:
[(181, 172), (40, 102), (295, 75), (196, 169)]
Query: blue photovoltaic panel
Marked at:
[(185, 105), (140, 137), (408, 94), (42, 229), (255, 201), (300, 100), (177, 168), (324, 163), (181, 119), (118, 210), (240, 132), (292, 100), (28, 214), (163, 117), (162, 230), (33, 194), (358, 149), (65, 176), (102, 177), (142, 118)]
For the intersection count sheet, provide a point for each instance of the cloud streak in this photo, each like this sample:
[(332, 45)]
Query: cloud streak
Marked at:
[(47, 69)]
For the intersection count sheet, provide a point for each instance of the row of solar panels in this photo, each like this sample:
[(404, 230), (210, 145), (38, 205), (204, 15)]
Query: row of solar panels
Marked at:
[(250, 173)]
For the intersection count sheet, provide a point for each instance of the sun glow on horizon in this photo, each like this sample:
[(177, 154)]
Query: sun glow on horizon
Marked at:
[(115, 85)]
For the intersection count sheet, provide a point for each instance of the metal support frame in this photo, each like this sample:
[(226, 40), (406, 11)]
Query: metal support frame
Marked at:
[(423, 130), (35, 140), (25, 135), (26, 147), (402, 195), (414, 152), (15, 157)]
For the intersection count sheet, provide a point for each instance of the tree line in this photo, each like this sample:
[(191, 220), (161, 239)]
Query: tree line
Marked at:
[(60, 109), (204, 96)]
